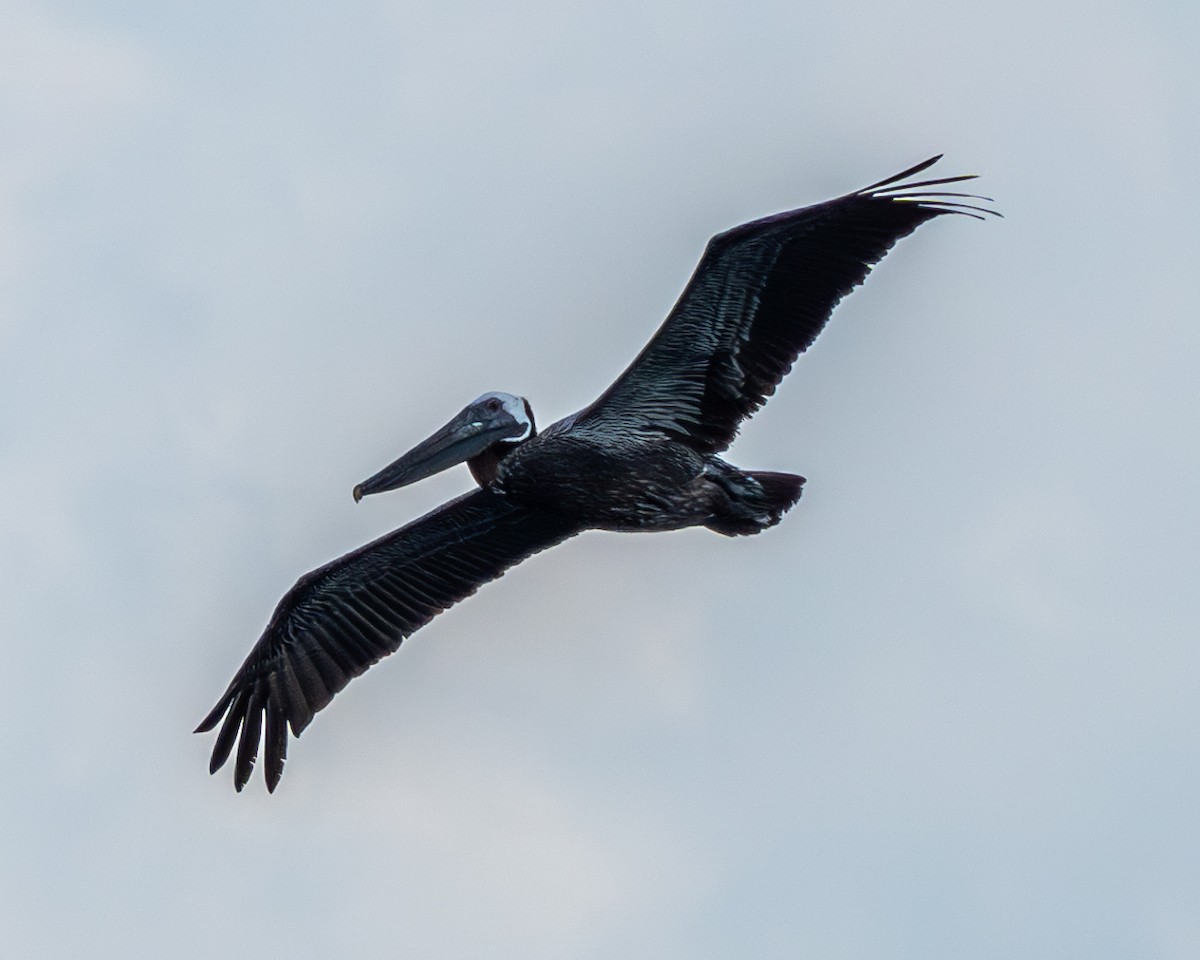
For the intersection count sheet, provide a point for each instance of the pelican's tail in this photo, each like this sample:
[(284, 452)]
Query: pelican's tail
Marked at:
[(759, 504)]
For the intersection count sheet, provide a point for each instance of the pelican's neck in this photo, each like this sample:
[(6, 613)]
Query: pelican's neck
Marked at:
[(485, 467)]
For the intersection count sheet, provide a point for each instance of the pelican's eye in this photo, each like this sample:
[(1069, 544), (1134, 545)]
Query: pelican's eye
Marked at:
[(493, 405)]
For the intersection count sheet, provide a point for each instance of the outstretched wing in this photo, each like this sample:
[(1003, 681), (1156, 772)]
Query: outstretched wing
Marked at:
[(341, 618), (759, 297)]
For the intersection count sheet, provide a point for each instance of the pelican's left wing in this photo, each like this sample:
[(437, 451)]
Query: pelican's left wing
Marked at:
[(341, 618), (760, 295)]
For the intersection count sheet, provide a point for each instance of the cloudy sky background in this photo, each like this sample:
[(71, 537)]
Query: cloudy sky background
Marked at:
[(948, 709)]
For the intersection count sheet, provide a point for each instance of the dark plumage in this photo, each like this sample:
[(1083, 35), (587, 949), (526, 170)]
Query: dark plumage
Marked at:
[(342, 617), (642, 457)]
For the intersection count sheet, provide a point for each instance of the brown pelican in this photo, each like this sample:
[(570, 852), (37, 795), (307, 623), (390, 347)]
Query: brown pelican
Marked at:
[(644, 456)]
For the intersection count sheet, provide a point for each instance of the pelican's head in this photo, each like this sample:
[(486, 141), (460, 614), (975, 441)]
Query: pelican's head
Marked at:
[(478, 435)]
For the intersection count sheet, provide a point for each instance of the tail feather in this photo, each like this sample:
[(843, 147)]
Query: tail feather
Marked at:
[(761, 504), (780, 490)]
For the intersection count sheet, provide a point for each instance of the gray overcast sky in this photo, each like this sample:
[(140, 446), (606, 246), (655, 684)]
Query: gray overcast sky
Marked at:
[(947, 709)]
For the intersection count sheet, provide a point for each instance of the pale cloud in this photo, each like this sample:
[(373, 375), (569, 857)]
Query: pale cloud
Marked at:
[(65, 90)]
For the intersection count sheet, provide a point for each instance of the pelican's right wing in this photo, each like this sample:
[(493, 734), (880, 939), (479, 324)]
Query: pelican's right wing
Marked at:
[(341, 618), (760, 295)]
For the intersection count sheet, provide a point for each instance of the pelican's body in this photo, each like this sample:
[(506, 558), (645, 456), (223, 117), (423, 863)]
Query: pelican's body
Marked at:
[(644, 456), (636, 484)]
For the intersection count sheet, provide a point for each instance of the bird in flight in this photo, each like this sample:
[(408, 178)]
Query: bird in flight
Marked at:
[(643, 456)]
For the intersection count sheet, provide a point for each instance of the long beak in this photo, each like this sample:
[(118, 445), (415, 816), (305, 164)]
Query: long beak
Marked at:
[(461, 439)]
